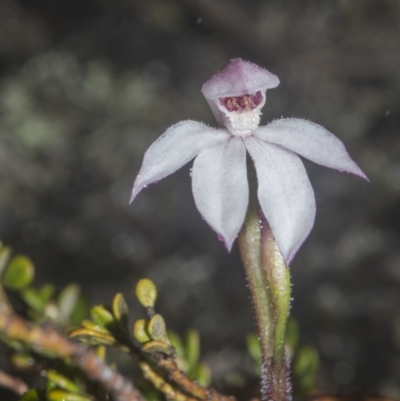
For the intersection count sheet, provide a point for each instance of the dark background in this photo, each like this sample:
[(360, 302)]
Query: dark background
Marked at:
[(87, 86)]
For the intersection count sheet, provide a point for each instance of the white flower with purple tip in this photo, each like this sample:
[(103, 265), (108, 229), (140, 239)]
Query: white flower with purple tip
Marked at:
[(236, 95)]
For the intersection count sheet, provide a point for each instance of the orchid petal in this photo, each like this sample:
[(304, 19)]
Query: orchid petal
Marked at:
[(285, 194), (177, 146), (238, 78), (220, 188), (311, 141)]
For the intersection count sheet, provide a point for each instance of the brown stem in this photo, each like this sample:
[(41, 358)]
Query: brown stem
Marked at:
[(188, 386), (160, 384), (50, 341), (14, 384)]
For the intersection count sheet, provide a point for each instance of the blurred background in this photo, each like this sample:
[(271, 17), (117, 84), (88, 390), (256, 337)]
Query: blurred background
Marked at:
[(86, 86)]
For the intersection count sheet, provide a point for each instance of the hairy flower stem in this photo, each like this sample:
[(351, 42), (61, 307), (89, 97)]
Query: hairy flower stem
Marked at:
[(269, 283), (278, 277)]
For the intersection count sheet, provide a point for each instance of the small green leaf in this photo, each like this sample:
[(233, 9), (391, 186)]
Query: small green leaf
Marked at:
[(202, 374), (101, 316), (50, 385), (88, 324), (45, 292), (157, 329), (59, 395), (253, 346), (305, 367), (158, 347), (146, 292), (80, 312), (192, 348), (140, 331), (16, 345), (22, 361), (151, 394), (68, 299), (101, 352), (19, 273), (32, 299), (176, 343), (34, 395), (121, 312), (63, 382), (92, 337)]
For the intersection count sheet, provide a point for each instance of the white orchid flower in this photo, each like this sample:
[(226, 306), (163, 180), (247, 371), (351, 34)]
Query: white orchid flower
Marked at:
[(236, 95)]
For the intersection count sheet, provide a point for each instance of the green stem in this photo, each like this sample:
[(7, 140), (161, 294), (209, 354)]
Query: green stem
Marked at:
[(250, 249), (269, 283), (278, 277)]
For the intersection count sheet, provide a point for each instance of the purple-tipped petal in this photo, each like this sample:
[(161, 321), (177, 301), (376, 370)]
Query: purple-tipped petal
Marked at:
[(238, 78), (311, 141), (220, 188), (177, 146), (285, 194)]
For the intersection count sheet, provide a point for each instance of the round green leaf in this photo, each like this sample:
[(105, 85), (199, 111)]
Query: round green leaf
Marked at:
[(157, 329), (34, 395), (146, 292), (59, 395), (101, 316), (19, 273), (140, 331)]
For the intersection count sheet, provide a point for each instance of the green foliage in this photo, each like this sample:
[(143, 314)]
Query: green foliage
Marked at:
[(19, 273), (140, 331), (65, 308), (146, 293), (155, 339), (305, 367), (68, 300), (188, 356), (102, 317), (121, 312), (254, 349), (157, 329), (38, 299), (59, 395), (62, 382), (34, 395), (192, 348), (108, 326)]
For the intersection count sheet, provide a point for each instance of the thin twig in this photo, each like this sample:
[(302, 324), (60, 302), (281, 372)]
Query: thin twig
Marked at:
[(15, 384), (49, 340), (160, 384), (180, 378)]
